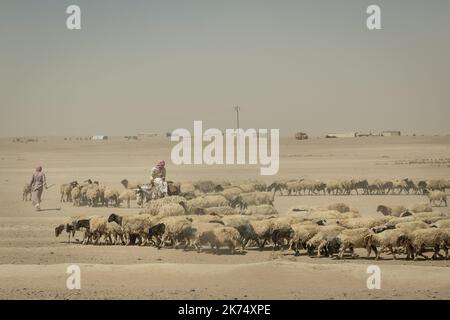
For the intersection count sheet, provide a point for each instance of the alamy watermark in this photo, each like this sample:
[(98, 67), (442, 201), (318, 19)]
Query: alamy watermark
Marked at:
[(374, 280), (74, 279), (235, 150)]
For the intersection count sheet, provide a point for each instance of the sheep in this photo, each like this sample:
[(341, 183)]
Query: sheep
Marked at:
[(114, 231), (281, 230), (277, 186), (157, 231), (340, 207), (351, 239), (201, 227), (262, 232), (130, 185), (219, 237), (388, 239), (222, 211), (70, 225), (206, 218), (26, 192), (208, 201), (230, 193), (430, 217), (253, 198), (437, 185), (322, 240), (366, 222), (165, 209), (177, 229), (435, 238), (411, 226), (422, 186), (153, 206), (65, 191), (443, 224), (263, 209), (93, 196), (127, 195), (347, 186), (186, 187), (207, 186), (334, 187), (244, 226), (97, 229), (135, 226), (421, 207), (394, 211), (435, 196), (361, 184), (111, 197), (75, 194), (293, 187), (303, 232)]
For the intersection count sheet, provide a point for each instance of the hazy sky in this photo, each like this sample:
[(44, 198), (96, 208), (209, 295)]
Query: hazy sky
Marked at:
[(158, 65)]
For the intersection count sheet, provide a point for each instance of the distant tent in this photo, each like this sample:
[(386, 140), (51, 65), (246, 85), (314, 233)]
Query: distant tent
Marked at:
[(99, 137)]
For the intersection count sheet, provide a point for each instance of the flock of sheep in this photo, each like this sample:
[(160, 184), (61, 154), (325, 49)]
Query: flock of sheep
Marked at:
[(359, 186), (93, 194), (243, 216)]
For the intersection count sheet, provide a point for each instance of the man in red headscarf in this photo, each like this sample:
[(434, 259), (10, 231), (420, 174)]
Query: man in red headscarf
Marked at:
[(159, 176), (38, 182)]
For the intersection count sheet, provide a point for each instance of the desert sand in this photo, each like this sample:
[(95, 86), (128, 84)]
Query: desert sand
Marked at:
[(33, 261)]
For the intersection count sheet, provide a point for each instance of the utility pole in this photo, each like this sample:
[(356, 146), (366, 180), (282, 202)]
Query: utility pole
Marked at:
[(237, 109)]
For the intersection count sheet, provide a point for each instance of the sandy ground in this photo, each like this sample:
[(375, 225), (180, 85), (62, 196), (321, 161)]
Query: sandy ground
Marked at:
[(33, 262)]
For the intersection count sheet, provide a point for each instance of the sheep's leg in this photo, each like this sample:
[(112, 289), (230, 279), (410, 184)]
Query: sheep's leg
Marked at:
[(319, 248), (261, 247), (393, 252)]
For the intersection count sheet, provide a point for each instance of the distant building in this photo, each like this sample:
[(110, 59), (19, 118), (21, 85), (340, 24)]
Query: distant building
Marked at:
[(98, 137), (391, 133), (342, 135), (301, 136), (364, 134)]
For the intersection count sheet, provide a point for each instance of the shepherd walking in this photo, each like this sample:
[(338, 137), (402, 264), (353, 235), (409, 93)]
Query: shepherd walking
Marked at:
[(38, 183)]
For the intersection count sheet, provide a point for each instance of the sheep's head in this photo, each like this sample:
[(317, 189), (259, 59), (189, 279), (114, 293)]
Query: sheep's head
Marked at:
[(403, 240), (218, 188), (321, 222), (407, 213), (183, 204), (236, 201), (116, 218), (124, 182), (59, 229), (157, 230)]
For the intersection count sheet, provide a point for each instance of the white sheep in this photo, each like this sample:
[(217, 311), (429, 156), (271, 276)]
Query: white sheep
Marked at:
[(253, 199), (421, 207), (303, 232), (434, 238), (222, 211), (111, 196), (219, 237), (351, 239), (443, 224), (177, 229), (263, 209), (388, 239), (395, 211), (322, 240), (365, 222), (435, 196)]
